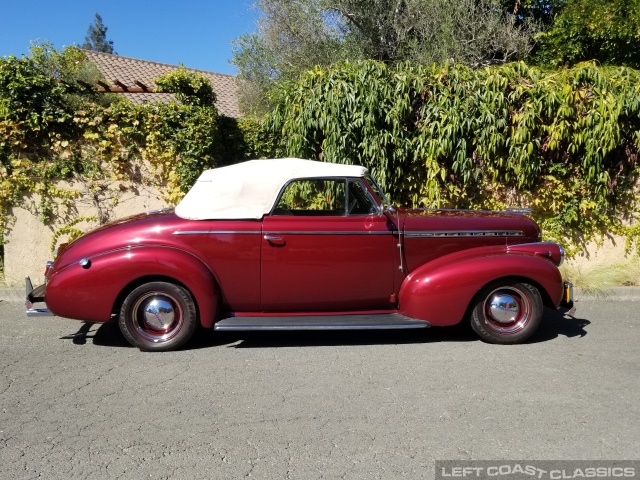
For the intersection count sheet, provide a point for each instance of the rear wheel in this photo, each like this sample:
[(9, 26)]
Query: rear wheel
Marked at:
[(506, 312), (158, 316)]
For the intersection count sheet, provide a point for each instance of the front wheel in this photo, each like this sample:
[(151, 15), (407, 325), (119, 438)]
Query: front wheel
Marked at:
[(158, 316), (507, 313)]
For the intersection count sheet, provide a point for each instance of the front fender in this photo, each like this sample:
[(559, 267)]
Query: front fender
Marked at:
[(90, 293), (440, 291)]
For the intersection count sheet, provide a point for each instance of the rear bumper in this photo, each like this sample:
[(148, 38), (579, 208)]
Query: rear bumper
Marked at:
[(35, 295)]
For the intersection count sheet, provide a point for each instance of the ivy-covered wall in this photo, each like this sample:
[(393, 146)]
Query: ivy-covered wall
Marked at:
[(564, 142), (52, 128)]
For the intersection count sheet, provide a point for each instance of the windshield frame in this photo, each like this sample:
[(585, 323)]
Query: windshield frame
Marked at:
[(386, 203)]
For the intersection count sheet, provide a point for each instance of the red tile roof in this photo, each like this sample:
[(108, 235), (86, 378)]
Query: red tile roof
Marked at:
[(126, 70)]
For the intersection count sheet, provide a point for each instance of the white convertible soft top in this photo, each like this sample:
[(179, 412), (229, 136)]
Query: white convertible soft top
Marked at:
[(249, 189)]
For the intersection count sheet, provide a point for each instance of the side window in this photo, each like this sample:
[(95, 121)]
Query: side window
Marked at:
[(360, 202), (312, 197)]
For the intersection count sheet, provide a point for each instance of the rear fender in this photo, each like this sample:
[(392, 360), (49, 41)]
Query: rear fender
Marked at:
[(91, 293), (441, 291)]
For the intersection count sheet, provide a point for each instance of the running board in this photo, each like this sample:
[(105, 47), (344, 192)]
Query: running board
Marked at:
[(321, 322)]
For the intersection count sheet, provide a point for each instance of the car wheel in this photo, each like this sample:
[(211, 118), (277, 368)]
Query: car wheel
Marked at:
[(158, 316), (507, 313)]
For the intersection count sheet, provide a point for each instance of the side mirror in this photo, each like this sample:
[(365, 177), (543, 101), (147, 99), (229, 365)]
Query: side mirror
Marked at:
[(389, 212)]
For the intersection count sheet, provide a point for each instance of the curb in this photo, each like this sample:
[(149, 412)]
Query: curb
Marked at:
[(12, 294), (17, 294), (613, 293)]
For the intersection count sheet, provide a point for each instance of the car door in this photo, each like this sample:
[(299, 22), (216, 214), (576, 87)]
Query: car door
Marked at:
[(326, 246)]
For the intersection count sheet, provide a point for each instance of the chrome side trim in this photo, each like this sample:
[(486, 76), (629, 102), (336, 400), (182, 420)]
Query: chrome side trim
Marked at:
[(311, 232), (308, 232), (470, 210), (322, 322), (417, 234), (240, 328), (465, 233), (216, 232)]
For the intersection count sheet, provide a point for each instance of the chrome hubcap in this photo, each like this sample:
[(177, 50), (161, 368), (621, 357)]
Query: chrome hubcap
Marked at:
[(507, 310), (504, 308), (159, 314)]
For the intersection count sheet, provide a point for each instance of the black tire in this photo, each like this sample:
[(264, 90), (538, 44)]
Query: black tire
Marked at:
[(158, 316), (507, 312)]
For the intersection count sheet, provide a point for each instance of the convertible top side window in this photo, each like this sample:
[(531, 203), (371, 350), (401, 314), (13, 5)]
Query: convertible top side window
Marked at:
[(325, 197), (313, 197)]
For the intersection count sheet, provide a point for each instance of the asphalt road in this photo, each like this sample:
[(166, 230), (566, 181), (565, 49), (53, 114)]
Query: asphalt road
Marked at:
[(78, 402)]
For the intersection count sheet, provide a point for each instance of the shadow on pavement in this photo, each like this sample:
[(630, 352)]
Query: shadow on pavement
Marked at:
[(107, 334), (554, 324), (458, 333)]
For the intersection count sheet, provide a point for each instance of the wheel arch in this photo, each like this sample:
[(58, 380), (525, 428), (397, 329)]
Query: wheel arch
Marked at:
[(112, 275), (444, 293), (546, 298), (131, 286), (521, 323)]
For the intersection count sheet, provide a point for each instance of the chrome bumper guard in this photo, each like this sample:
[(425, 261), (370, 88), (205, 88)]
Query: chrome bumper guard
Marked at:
[(567, 305), (35, 295)]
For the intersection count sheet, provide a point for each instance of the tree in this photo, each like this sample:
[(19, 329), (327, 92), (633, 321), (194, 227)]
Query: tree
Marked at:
[(539, 11), (473, 32), (296, 35), (96, 38), (604, 30)]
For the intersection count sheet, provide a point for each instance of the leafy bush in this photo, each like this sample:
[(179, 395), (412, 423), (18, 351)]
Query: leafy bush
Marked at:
[(52, 127), (564, 143), (607, 31)]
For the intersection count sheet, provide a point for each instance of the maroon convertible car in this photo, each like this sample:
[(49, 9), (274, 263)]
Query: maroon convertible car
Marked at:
[(293, 244)]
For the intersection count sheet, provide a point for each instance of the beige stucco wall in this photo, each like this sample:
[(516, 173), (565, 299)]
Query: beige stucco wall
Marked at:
[(604, 266), (28, 241), (612, 250)]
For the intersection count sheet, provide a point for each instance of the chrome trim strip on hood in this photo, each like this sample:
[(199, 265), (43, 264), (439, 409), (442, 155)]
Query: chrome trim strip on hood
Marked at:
[(464, 233)]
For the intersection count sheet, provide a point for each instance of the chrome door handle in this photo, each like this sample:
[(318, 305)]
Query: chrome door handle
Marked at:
[(274, 239)]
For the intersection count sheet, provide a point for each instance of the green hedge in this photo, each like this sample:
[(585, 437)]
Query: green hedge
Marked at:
[(52, 128), (564, 143)]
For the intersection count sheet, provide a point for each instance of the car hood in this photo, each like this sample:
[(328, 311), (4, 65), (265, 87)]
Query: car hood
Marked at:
[(469, 221)]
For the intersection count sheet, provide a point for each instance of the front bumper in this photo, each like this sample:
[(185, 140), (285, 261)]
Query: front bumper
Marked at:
[(567, 305), (35, 295)]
